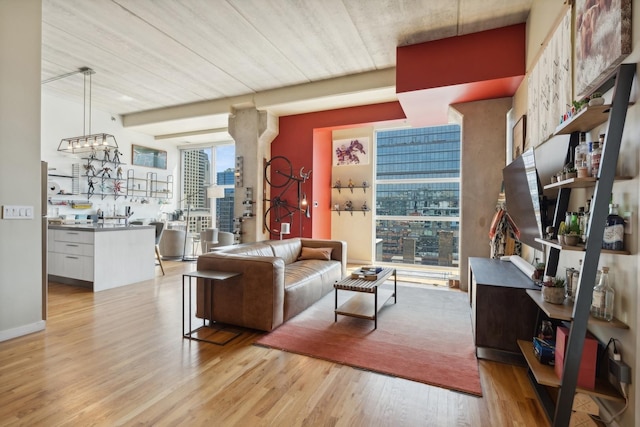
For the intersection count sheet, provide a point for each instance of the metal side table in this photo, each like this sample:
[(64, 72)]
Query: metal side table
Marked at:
[(206, 333)]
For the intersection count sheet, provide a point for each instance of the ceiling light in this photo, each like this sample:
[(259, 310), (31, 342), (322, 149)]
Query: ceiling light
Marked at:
[(86, 143)]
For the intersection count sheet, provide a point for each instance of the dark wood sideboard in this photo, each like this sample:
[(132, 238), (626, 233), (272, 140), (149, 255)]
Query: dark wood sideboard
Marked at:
[(502, 312)]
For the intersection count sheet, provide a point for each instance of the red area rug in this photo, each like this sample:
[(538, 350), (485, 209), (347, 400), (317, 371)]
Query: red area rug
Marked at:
[(425, 337)]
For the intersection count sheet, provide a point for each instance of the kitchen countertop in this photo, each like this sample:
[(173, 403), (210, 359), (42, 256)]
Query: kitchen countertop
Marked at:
[(99, 227)]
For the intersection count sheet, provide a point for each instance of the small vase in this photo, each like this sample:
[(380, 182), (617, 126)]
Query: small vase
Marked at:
[(553, 295)]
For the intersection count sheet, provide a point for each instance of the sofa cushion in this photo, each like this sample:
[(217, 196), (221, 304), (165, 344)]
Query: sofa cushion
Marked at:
[(288, 250), (306, 282), (254, 249), (323, 254)]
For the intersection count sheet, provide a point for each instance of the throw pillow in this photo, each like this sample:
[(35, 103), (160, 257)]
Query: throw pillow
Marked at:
[(316, 253)]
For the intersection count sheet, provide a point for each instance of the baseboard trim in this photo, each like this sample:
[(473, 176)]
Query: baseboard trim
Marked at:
[(22, 330)]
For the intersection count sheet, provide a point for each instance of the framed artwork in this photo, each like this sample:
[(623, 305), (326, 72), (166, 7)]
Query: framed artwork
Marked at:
[(149, 157), (519, 136), (602, 41), (350, 152)]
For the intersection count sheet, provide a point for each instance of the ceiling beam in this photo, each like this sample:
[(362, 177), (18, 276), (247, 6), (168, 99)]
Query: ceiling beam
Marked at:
[(191, 133), (373, 80)]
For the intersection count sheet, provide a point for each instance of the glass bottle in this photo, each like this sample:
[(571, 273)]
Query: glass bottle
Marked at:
[(596, 154), (613, 237), (583, 219), (568, 290), (546, 331), (575, 223), (575, 282), (603, 297), (581, 156)]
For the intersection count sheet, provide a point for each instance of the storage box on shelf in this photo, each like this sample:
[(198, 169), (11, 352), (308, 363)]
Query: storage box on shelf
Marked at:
[(587, 370)]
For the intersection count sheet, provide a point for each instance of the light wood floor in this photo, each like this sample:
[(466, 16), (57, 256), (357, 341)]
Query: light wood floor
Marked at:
[(117, 358)]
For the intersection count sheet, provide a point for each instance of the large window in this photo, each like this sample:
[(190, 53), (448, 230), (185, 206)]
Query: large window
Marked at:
[(418, 196), (202, 167)]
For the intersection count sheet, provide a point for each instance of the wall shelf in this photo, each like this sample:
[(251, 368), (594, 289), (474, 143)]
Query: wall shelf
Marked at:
[(150, 186), (364, 188), (351, 211)]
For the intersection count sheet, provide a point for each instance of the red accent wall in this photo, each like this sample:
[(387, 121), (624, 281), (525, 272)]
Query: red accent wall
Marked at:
[(305, 139), (476, 57), (433, 75)]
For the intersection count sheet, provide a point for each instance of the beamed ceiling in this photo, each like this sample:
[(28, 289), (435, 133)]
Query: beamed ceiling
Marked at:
[(174, 69)]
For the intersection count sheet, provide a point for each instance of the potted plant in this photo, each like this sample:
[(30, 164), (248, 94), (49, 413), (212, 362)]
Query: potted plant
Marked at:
[(596, 99), (539, 273), (570, 171), (562, 230), (572, 239), (553, 290)]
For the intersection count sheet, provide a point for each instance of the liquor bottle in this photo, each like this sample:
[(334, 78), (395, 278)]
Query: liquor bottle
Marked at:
[(613, 237), (595, 155), (603, 297), (581, 157)]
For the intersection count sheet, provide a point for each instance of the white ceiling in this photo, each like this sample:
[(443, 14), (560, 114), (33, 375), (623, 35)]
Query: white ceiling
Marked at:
[(174, 69)]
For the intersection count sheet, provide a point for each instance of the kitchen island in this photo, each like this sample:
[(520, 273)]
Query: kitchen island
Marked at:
[(100, 256)]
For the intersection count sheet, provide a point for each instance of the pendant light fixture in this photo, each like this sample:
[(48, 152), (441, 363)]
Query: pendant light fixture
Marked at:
[(87, 142)]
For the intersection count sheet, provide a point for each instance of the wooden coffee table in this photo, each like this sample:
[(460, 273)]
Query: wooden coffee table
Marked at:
[(361, 305)]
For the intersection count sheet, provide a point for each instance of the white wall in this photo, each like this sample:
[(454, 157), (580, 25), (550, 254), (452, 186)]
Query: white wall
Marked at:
[(20, 240), (62, 118)]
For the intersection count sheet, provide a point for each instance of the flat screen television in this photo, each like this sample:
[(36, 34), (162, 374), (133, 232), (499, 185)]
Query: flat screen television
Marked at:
[(527, 204), (522, 193)]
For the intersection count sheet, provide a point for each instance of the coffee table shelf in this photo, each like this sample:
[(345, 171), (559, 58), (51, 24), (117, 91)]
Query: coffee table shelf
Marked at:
[(361, 305)]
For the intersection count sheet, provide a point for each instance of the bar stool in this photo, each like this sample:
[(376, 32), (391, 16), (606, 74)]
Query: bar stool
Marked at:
[(159, 228)]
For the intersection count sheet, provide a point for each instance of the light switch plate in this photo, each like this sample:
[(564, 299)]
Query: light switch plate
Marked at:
[(17, 212)]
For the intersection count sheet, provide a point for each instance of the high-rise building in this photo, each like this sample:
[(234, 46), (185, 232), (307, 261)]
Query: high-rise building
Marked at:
[(196, 177), (418, 194), (224, 207)]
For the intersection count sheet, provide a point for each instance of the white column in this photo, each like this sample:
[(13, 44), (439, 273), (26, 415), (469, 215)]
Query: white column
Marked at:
[(253, 132)]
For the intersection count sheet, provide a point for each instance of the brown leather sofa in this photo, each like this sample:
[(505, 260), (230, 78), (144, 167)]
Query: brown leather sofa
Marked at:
[(275, 283)]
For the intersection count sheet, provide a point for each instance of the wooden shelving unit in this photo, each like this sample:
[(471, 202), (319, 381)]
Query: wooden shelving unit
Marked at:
[(580, 248), (580, 182), (564, 311), (559, 411), (546, 375), (587, 119)]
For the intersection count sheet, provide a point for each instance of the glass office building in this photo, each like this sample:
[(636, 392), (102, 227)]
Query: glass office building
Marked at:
[(418, 195)]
